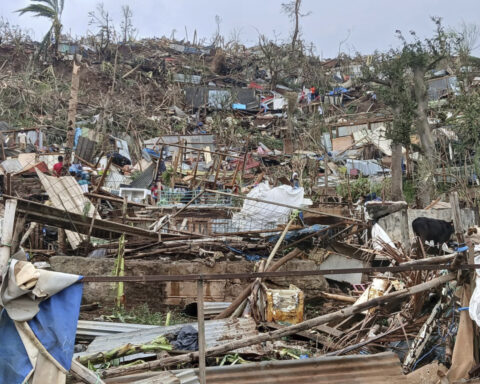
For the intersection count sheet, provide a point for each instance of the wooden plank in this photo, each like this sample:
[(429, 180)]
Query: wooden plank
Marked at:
[(79, 223), (7, 233), (329, 330), (84, 374)]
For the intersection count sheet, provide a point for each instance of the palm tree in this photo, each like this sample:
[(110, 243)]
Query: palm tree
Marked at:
[(51, 9)]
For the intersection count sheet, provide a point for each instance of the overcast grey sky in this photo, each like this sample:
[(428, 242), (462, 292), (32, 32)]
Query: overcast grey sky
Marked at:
[(363, 25)]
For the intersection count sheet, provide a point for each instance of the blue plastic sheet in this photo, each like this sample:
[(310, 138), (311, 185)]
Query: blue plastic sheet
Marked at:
[(55, 327), (78, 133), (299, 233)]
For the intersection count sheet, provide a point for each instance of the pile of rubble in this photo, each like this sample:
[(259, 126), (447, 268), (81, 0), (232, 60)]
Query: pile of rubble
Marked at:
[(282, 245)]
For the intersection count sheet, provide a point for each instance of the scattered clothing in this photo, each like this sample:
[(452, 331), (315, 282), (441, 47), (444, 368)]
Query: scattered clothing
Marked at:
[(187, 339), (75, 168)]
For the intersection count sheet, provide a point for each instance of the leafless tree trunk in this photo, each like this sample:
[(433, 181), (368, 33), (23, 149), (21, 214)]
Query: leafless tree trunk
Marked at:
[(397, 184), (292, 9), (298, 3), (426, 185)]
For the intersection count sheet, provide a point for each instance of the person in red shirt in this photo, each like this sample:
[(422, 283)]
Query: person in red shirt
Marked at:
[(57, 168)]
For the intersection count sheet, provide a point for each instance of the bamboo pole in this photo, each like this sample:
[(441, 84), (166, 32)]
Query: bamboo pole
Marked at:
[(104, 175), (287, 331)]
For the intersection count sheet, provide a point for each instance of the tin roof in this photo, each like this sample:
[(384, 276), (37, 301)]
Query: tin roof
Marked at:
[(216, 332)]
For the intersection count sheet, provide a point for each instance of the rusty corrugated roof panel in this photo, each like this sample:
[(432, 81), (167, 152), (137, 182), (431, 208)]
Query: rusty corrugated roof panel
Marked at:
[(358, 369)]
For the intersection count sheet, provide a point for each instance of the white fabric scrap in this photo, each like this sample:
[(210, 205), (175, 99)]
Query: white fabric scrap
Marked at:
[(379, 236), (24, 287)]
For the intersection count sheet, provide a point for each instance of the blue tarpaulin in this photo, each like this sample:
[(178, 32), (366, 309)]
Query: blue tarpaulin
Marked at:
[(299, 233), (239, 106), (55, 327), (337, 91), (78, 133)]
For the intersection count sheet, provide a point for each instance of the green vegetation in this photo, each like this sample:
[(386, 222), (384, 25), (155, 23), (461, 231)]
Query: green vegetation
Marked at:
[(359, 187), (143, 315)]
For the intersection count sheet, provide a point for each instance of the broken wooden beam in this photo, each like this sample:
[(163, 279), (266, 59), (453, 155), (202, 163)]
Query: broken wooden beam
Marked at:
[(104, 229)]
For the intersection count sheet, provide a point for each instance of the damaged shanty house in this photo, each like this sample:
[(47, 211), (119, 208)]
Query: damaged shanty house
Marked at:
[(174, 211)]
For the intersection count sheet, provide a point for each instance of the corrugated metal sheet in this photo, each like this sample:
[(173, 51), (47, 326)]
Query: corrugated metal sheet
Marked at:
[(358, 369), (216, 332), (11, 166), (66, 194), (192, 79), (145, 179), (85, 148), (187, 376), (91, 329)]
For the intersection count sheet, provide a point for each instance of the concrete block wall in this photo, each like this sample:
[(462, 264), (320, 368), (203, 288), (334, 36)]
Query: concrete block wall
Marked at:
[(391, 223)]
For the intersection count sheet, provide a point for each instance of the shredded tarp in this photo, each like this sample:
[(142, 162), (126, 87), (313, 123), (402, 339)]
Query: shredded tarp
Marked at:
[(40, 308), (299, 233)]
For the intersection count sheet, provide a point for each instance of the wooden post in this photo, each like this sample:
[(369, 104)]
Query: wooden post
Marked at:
[(62, 246), (8, 184), (73, 102), (326, 174), (104, 175), (234, 178), (407, 161), (124, 209), (457, 222), (3, 149), (7, 233), (192, 182), (174, 170), (19, 225), (201, 332), (220, 159), (244, 162), (405, 232)]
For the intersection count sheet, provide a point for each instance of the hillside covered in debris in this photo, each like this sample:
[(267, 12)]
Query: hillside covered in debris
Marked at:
[(192, 211)]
